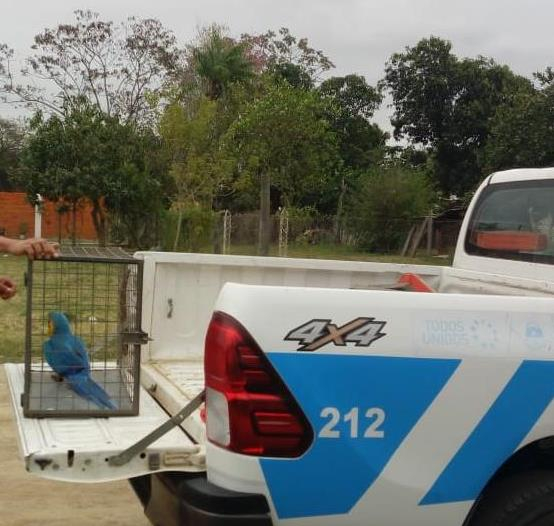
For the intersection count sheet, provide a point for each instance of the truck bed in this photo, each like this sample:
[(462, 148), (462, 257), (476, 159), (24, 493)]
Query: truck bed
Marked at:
[(180, 291), (173, 384)]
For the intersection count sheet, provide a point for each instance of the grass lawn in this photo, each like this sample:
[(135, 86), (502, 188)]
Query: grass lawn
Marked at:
[(343, 252), (12, 312)]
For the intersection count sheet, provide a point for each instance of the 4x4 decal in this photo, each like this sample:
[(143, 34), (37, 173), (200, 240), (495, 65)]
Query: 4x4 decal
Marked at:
[(314, 334)]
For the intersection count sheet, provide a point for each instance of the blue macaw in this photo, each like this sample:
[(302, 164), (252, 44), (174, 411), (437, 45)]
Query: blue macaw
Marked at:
[(67, 355)]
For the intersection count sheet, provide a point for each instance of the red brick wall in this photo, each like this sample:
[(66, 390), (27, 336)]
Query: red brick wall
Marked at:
[(15, 211)]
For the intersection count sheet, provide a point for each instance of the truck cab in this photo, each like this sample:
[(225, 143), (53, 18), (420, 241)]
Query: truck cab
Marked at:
[(341, 393)]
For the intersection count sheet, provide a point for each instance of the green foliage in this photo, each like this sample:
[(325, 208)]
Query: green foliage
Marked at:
[(420, 80), (196, 229), (521, 130), (411, 156), (308, 227), (387, 203), (141, 128), (88, 155), (353, 96), (55, 155), (446, 103), (219, 61), (353, 103), (136, 199), (190, 141), (285, 134), (294, 75), (11, 142)]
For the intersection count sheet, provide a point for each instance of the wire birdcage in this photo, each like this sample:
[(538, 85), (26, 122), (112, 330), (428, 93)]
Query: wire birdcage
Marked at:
[(93, 371)]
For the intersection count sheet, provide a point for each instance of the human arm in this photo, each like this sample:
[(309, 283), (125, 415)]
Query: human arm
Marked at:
[(33, 248)]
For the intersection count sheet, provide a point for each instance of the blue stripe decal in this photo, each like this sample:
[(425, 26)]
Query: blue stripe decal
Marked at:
[(339, 468), (498, 434)]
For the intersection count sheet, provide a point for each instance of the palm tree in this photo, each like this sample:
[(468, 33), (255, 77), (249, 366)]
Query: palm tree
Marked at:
[(220, 61)]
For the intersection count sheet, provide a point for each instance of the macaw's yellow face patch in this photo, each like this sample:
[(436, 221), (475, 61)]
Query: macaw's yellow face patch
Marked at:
[(50, 328)]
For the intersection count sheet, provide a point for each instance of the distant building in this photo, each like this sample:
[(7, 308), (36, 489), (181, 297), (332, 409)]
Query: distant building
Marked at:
[(17, 219)]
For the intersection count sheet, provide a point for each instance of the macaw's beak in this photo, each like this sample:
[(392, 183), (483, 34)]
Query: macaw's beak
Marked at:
[(50, 328)]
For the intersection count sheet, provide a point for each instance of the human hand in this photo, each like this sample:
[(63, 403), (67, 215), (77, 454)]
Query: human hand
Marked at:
[(33, 248), (7, 288)]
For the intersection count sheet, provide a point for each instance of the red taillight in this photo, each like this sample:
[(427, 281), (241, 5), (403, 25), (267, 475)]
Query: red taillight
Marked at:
[(249, 409)]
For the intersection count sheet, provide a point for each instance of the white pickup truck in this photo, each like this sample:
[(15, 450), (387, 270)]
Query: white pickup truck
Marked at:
[(332, 399)]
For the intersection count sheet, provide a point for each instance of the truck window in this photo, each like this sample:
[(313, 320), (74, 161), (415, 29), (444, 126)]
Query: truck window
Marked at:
[(514, 221)]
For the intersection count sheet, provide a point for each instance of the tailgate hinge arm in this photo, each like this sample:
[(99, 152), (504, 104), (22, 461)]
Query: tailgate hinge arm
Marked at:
[(125, 456)]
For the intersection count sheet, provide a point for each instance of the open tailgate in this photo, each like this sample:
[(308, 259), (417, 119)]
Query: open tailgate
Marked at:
[(77, 450)]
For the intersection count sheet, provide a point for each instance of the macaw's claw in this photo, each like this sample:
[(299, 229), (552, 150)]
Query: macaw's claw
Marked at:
[(57, 377)]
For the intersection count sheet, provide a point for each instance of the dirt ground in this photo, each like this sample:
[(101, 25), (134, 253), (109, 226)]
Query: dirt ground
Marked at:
[(26, 500)]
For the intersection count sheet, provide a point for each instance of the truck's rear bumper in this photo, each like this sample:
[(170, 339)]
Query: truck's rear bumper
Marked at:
[(182, 499)]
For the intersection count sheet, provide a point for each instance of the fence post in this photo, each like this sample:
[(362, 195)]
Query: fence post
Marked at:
[(265, 214), (418, 236), (227, 225), (408, 241), (283, 232), (38, 217), (429, 235)]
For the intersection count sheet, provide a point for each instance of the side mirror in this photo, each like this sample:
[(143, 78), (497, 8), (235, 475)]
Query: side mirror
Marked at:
[(510, 240)]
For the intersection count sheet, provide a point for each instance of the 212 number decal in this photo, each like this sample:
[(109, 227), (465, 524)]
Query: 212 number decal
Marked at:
[(373, 422)]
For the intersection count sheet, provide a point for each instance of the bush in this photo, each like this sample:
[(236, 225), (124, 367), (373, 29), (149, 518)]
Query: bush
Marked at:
[(386, 204), (197, 229), (307, 226)]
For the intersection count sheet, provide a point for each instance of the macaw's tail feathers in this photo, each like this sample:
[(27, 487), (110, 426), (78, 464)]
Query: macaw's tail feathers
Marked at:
[(86, 387)]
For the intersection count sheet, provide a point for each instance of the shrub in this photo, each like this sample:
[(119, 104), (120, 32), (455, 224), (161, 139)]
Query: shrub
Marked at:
[(197, 229), (387, 202)]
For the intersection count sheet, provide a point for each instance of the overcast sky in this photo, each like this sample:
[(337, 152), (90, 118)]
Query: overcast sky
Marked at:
[(358, 35)]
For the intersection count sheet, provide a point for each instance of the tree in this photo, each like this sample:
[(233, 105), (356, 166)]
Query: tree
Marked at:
[(282, 140), (11, 142), (88, 155), (287, 57), (217, 80), (353, 96), (446, 104), (521, 131), (188, 138), (422, 84), (361, 143), (386, 203), (113, 67), (48, 166), (137, 192), (354, 102), (191, 140), (219, 61)]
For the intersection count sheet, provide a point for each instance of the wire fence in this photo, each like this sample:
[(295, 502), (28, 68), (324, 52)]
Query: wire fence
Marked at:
[(201, 230), (240, 233)]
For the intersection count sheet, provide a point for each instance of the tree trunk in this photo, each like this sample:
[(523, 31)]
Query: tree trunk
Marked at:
[(99, 221), (59, 227), (340, 206), (217, 235), (178, 232), (265, 215), (74, 223)]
